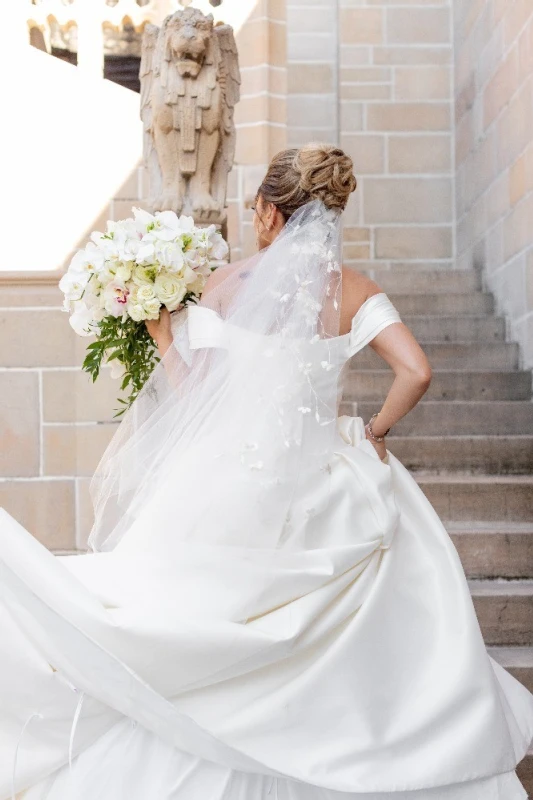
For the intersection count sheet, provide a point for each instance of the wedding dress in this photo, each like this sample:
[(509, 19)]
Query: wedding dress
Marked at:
[(269, 624)]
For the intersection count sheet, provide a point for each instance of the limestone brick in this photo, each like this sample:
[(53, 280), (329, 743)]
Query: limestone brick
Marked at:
[(366, 91), (422, 83), (407, 200), (74, 449), (361, 25), (413, 242), (367, 152), (409, 117), (46, 508), (310, 78), (426, 25), (405, 55), (19, 423), (71, 396), (418, 154), (38, 338)]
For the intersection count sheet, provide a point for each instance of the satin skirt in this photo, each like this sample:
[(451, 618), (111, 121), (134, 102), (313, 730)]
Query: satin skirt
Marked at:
[(358, 671)]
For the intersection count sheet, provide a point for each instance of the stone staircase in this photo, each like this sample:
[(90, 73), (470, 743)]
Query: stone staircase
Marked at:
[(470, 445)]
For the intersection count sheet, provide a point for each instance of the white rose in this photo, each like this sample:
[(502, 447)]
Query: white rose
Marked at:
[(152, 308), (145, 293), (170, 290), (136, 312), (143, 275)]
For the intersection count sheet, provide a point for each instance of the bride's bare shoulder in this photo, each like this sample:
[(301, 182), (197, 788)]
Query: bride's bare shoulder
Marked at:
[(356, 288)]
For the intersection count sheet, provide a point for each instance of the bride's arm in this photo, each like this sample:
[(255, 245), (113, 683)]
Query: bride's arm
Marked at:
[(399, 348)]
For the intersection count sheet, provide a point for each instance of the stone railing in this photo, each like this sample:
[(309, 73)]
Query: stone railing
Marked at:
[(90, 17)]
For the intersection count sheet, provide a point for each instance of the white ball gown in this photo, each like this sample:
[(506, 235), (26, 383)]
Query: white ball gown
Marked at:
[(344, 663)]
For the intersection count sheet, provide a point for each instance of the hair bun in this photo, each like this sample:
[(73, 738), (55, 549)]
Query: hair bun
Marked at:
[(326, 173)]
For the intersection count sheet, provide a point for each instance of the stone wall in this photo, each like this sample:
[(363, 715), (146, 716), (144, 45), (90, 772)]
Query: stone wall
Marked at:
[(376, 75), (494, 153)]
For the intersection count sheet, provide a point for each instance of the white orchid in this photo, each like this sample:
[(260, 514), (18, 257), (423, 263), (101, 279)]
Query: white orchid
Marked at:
[(116, 298)]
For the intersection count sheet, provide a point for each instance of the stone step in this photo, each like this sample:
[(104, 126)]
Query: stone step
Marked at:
[(501, 499), (525, 773), (504, 609), (458, 355), (364, 385), (425, 281), (494, 550), (516, 660), (431, 328), (468, 303), (488, 455), (457, 417)]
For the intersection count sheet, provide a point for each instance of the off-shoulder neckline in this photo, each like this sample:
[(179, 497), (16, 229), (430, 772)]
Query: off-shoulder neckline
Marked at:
[(342, 336)]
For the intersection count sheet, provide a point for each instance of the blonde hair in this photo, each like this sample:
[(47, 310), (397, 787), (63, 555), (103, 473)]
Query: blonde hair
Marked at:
[(314, 171)]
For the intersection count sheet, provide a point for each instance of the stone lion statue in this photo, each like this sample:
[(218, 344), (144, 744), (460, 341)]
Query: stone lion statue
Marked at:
[(190, 83)]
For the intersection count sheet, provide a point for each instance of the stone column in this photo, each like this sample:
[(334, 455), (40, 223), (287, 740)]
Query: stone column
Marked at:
[(261, 115)]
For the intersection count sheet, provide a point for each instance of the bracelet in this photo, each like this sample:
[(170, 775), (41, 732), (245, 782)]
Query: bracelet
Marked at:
[(371, 432)]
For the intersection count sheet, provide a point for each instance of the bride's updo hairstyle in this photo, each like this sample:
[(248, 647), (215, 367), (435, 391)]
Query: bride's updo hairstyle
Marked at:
[(312, 172)]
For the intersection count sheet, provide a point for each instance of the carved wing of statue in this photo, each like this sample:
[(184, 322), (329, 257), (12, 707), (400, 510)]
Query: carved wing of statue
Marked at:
[(146, 75), (230, 77)]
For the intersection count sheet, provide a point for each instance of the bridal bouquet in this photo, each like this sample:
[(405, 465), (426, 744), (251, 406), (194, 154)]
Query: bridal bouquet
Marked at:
[(124, 276)]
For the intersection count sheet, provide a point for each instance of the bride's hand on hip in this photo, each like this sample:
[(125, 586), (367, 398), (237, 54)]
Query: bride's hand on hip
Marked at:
[(379, 447)]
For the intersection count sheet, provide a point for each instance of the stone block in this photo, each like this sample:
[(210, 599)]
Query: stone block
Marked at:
[(38, 338), (46, 508), (366, 91), (437, 54), (418, 154), (365, 75), (517, 228), (310, 78), (423, 83), (356, 252), (298, 136), (515, 125), (500, 88), (313, 112), (351, 117), (74, 449), (71, 396), (258, 143), (356, 235), (355, 55), (414, 242), (361, 25), (412, 200), (315, 19), (262, 41), (85, 513), (367, 152), (315, 47), (423, 26), (409, 117), (19, 424), (516, 17)]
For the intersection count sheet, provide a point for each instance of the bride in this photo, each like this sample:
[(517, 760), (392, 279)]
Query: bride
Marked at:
[(271, 610)]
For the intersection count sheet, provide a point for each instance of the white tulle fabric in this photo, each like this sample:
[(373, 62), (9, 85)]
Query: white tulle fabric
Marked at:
[(339, 659)]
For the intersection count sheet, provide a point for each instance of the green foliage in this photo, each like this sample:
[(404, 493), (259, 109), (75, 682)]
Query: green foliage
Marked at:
[(129, 343)]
